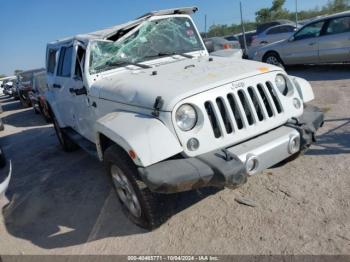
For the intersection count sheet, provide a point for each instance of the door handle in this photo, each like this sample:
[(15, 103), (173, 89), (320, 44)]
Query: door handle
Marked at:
[(56, 86), (313, 43), (78, 92)]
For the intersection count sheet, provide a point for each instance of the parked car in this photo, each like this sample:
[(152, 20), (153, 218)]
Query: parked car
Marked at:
[(8, 88), (219, 46), (219, 43), (324, 40), (264, 26), (25, 85), (229, 53), (15, 88), (231, 38), (248, 36), (37, 95), (166, 117), (7, 85), (273, 34)]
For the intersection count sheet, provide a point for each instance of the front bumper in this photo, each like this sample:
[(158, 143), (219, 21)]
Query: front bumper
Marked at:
[(229, 167)]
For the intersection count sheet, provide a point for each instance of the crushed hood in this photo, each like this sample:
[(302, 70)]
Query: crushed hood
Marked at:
[(174, 81)]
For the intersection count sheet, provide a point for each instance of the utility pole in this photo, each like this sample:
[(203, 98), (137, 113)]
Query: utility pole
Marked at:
[(243, 32), (205, 26), (296, 13)]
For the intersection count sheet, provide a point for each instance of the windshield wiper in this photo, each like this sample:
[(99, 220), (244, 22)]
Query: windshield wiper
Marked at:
[(124, 63), (171, 54), (110, 64)]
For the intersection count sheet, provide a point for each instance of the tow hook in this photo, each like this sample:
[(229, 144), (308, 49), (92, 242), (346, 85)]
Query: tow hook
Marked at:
[(228, 155)]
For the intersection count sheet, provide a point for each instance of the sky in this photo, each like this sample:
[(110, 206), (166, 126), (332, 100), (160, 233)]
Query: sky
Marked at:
[(26, 26)]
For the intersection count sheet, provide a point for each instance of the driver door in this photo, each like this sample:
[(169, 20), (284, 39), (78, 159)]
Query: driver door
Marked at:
[(303, 48)]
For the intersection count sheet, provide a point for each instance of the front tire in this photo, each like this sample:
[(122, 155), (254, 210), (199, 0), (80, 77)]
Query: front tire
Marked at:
[(138, 203), (67, 144), (273, 58)]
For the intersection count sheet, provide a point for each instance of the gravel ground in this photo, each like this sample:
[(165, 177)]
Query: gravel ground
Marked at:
[(63, 203)]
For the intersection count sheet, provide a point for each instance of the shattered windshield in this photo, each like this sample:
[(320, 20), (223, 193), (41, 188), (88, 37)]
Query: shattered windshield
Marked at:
[(154, 39)]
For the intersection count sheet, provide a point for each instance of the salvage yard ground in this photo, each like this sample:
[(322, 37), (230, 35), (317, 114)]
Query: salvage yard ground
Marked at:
[(63, 203)]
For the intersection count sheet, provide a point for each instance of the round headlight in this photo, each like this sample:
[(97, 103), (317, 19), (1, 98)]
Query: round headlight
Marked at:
[(186, 117), (281, 84)]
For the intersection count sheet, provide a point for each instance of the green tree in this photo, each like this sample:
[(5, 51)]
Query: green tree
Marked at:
[(338, 5), (275, 12), (2, 76), (224, 30)]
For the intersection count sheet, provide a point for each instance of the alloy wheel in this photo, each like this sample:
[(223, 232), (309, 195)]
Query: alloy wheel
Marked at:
[(125, 191)]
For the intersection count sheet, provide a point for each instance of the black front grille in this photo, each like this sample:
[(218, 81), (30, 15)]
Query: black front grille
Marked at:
[(243, 109)]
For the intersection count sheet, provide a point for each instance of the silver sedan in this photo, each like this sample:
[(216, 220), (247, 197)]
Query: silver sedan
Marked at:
[(324, 40)]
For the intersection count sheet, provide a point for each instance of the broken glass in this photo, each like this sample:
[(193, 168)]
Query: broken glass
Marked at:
[(174, 35)]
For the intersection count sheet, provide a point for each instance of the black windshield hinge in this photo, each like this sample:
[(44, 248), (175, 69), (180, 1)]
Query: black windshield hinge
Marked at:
[(158, 104)]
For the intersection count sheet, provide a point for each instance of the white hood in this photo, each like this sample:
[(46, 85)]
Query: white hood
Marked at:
[(176, 80)]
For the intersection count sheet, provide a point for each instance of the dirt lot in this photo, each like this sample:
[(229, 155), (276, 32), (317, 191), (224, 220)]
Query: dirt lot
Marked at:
[(63, 203)]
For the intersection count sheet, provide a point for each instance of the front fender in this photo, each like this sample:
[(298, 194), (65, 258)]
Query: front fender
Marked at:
[(304, 89), (148, 137)]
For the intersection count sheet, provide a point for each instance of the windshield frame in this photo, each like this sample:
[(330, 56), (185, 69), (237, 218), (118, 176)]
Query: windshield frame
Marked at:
[(201, 52)]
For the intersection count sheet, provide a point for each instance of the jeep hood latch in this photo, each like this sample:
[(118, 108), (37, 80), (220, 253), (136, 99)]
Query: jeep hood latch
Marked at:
[(158, 104)]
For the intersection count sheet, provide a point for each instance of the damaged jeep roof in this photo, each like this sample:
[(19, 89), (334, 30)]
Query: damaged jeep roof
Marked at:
[(109, 32)]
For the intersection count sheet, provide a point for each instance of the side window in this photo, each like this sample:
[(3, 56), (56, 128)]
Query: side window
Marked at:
[(79, 63), (232, 38), (338, 26), (287, 29), (65, 62), (281, 30), (51, 63), (273, 31), (309, 31)]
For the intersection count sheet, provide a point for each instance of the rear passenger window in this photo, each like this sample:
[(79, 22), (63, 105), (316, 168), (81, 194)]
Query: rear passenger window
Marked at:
[(338, 26), (51, 64), (65, 62), (280, 30), (287, 29), (273, 31)]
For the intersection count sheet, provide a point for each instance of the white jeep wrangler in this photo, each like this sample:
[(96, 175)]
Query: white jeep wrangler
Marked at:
[(165, 117)]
